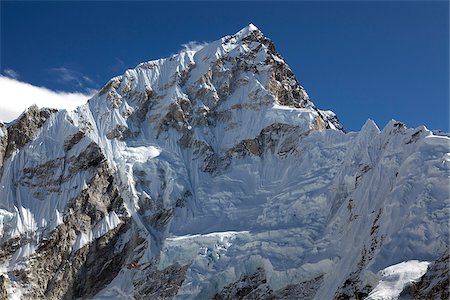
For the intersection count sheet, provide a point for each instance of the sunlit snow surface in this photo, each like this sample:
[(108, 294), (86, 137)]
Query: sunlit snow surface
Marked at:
[(314, 211), (396, 277)]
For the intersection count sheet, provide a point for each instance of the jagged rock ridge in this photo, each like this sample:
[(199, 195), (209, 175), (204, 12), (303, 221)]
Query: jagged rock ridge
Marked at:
[(211, 174)]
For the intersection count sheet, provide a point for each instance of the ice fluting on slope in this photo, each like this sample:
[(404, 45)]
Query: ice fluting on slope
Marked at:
[(208, 169), (201, 109)]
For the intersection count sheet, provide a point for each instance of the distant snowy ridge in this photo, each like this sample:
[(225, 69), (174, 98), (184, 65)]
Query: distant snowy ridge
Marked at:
[(211, 174)]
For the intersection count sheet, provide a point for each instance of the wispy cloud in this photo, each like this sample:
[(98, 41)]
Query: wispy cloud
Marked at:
[(118, 66), (16, 96), (11, 73), (193, 46), (73, 79)]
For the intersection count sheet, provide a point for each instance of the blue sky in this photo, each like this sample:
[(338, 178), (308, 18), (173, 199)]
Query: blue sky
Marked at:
[(378, 60)]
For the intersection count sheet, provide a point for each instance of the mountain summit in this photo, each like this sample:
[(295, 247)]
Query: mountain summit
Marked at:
[(212, 174)]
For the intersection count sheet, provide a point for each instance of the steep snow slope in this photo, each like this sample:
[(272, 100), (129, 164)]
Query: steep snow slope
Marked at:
[(212, 174), (394, 279)]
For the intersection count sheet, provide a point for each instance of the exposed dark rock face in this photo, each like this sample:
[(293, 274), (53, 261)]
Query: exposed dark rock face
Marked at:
[(304, 290), (22, 130), (435, 284), (3, 292), (78, 273), (160, 284), (253, 286), (119, 132), (278, 138), (333, 119), (284, 84), (73, 140), (92, 156), (8, 247), (160, 219), (102, 263)]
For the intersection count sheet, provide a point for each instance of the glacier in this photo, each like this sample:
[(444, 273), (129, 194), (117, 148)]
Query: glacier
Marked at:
[(211, 174)]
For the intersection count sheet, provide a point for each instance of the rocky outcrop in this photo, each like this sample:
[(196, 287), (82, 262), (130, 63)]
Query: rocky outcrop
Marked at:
[(91, 157), (73, 272), (73, 140), (3, 292), (22, 130), (47, 177), (160, 284), (434, 284), (283, 84), (304, 290), (102, 263), (253, 286), (278, 138), (8, 247)]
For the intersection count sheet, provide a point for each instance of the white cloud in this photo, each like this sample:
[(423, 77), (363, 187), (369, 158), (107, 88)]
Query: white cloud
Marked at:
[(72, 78), (16, 96), (193, 46), (11, 73)]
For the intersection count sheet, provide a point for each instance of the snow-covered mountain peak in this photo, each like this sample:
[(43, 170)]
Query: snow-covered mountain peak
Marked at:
[(247, 30), (370, 126), (211, 174), (235, 81)]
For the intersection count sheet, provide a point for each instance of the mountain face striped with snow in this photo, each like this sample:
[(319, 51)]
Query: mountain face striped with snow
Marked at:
[(211, 175)]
